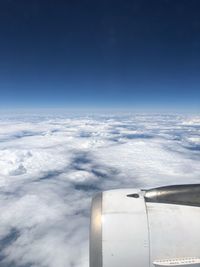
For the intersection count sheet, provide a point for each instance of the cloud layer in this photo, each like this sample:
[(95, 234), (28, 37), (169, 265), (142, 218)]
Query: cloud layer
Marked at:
[(50, 167)]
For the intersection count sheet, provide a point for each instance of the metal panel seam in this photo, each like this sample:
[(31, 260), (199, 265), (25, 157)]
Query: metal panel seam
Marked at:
[(148, 229)]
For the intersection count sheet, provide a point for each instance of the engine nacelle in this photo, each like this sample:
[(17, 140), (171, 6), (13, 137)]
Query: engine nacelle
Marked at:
[(146, 228)]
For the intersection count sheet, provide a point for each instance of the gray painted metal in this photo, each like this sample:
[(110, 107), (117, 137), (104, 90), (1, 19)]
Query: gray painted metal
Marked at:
[(96, 232), (176, 194)]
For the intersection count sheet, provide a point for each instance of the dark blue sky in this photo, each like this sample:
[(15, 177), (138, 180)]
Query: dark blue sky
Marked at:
[(86, 53)]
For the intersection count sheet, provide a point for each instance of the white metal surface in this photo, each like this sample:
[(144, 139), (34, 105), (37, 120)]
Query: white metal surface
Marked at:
[(133, 232), (125, 239), (174, 232)]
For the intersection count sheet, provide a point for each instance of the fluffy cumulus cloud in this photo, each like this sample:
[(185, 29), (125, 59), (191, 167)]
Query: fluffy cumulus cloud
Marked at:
[(50, 167)]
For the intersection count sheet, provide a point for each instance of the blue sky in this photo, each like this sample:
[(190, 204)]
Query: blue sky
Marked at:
[(117, 54)]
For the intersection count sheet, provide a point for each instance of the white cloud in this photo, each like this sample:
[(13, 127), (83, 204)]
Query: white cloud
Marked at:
[(50, 168)]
